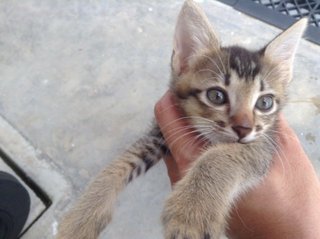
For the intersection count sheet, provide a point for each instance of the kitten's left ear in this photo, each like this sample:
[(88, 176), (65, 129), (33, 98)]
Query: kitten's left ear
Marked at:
[(282, 49)]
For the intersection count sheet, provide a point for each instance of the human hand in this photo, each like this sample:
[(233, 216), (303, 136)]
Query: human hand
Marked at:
[(180, 138), (285, 204)]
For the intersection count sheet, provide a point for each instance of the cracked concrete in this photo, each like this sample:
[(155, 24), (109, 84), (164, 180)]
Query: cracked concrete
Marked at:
[(78, 83)]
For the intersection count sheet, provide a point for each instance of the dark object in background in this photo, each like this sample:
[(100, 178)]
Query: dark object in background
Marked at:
[(283, 13), (14, 206)]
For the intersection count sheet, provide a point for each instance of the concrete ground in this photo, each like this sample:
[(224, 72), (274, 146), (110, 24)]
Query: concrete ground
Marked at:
[(78, 83)]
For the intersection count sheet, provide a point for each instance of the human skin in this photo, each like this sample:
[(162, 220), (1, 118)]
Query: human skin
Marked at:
[(286, 204)]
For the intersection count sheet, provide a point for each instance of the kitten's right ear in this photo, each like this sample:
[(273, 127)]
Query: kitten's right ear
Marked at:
[(193, 35)]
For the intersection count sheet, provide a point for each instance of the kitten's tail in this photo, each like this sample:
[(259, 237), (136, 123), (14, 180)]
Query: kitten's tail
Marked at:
[(94, 209)]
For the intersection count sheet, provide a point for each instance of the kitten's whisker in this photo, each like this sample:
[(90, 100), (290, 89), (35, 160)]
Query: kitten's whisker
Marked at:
[(191, 56), (175, 131), (186, 118), (209, 70), (187, 142), (198, 141), (168, 108), (242, 221), (218, 77), (182, 136), (229, 56), (281, 155), (187, 128), (214, 62), (278, 132), (269, 73), (292, 137), (202, 136), (191, 143), (266, 78), (276, 151), (202, 118), (219, 57), (175, 121), (205, 139), (223, 66), (300, 101)]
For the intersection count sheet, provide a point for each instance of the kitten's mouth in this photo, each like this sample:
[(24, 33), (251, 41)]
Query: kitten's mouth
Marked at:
[(241, 141), (246, 140)]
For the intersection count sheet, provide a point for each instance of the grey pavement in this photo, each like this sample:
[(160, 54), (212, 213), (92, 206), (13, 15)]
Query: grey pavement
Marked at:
[(78, 83)]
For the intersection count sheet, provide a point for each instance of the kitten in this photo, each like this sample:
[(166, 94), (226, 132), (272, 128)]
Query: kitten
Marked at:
[(232, 96)]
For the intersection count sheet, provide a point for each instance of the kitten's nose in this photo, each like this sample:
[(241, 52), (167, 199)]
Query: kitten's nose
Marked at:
[(242, 123), (241, 131)]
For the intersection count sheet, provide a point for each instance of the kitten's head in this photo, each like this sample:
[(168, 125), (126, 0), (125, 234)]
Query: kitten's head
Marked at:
[(230, 94)]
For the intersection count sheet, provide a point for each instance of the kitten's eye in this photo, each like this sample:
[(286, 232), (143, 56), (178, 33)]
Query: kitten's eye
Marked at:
[(265, 103), (217, 96)]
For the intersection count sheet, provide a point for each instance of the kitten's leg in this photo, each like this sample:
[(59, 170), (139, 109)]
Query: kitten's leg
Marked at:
[(200, 203), (94, 209)]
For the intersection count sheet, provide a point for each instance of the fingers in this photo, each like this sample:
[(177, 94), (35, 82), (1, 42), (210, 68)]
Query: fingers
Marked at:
[(285, 132), (290, 153), (173, 170), (177, 131)]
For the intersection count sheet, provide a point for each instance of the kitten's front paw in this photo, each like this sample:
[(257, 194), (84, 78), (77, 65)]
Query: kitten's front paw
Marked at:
[(186, 219), (185, 231)]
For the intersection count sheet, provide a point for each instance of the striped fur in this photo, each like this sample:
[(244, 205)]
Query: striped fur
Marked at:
[(241, 134), (94, 210)]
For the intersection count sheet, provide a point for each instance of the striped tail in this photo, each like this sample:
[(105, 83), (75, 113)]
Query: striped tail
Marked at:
[(95, 207)]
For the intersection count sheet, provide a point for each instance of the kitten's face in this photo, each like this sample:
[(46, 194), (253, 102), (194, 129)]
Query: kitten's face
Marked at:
[(232, 95)]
